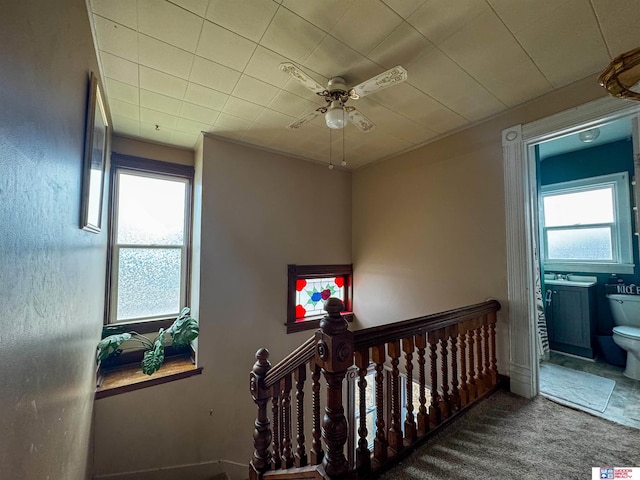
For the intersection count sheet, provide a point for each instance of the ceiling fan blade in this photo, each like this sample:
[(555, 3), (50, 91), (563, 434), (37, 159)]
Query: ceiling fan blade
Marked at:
[(359, 120), (386, 79), (302, 77), (304, 119)]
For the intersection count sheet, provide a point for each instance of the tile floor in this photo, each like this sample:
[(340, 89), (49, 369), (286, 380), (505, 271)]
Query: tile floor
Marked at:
[(624, 404)]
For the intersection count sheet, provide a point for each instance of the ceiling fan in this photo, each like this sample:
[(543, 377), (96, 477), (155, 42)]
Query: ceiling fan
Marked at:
[(336, 94)]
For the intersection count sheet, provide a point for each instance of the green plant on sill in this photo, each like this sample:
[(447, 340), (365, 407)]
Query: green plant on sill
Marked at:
[(182, 331)]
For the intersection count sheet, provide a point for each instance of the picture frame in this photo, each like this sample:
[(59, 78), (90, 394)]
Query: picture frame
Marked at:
[(95, 150)]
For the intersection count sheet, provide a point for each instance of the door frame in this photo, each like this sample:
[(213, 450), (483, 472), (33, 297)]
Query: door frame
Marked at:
[(520, 187)]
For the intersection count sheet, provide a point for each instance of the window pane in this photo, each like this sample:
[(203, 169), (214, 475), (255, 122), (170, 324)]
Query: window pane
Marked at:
[(579, 208), (580, 244), (150, 210), (148, 282), (312, 293)]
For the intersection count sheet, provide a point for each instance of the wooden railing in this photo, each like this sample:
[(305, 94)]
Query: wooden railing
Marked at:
[(454, 353)]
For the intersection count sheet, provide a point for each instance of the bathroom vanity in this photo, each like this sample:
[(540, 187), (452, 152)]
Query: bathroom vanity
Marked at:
[(570, 308)]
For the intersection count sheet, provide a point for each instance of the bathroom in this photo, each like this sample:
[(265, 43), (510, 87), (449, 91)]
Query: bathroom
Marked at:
[(588, 248)]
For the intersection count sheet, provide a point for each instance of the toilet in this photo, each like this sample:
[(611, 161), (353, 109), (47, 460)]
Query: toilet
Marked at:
[(626, 334)]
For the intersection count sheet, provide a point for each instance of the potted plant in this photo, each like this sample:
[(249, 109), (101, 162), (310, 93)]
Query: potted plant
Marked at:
[(183, 330)]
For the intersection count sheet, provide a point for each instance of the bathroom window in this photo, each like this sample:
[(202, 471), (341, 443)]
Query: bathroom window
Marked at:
[(586, 225)]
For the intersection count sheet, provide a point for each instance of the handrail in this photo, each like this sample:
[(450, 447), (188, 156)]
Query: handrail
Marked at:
[(369, 337), (290, 363)]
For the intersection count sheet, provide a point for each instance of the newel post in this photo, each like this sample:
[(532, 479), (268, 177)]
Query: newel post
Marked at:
[(334, 354), (261, 461)]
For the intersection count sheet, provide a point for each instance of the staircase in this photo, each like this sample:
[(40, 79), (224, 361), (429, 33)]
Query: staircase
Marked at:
[(369, 384)]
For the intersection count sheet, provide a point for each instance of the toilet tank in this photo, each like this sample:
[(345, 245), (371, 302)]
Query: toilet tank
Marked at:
[(625, 309)]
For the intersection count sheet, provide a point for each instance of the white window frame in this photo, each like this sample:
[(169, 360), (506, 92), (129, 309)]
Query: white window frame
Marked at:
[(148, 169), (621, 230)]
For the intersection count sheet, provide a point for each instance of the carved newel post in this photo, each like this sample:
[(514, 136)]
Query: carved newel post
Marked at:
[(334, 354), (261, 461)]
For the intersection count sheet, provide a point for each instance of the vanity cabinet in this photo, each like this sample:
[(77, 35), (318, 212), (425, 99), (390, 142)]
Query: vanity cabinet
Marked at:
[(571, 319)]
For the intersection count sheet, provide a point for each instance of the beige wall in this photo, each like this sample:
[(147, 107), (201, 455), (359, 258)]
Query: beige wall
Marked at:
[(429, 225), (260, 212), (154, 151), (51, 272)]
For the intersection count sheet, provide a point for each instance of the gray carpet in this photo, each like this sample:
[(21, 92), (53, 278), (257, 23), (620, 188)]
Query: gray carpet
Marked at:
[(508, 437), (572, 386)]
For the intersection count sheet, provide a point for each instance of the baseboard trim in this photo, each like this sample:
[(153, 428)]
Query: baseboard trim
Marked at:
[(193, 471)]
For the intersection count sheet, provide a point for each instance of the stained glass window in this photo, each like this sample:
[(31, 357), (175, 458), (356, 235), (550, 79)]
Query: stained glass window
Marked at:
[(311, 295)]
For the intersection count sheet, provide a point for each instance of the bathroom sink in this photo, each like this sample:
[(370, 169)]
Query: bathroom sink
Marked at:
[(570, 280)]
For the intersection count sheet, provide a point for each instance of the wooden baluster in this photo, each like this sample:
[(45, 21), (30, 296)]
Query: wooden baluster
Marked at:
[(473, 388), (487, 364), (301, 455), (317, 454), (479, 375), (445, 400), (493, 362), (261, 461), (464, 387), (423, 418), (378, 355), (277, 430), (409, 421), (434, 409), (363, 455), (395, 428), (287, 452), (334, 353), (455, 393)]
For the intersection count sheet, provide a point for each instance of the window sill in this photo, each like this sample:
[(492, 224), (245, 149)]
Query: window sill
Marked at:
[(313, 323), (127, 378), (589, 267)]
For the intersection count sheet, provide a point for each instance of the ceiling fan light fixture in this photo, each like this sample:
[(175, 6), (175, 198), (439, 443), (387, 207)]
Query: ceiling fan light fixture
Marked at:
[(335, 117)]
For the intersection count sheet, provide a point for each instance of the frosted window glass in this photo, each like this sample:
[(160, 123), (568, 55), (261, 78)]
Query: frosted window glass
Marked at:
[(150, 210), (580, 244), (579, 208), (148, 282)]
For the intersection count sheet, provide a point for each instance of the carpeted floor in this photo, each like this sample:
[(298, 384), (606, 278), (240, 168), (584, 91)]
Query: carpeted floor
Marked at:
[(509, 437)]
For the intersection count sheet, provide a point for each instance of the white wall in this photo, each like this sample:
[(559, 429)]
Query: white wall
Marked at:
[(51, 272), (260, 212)]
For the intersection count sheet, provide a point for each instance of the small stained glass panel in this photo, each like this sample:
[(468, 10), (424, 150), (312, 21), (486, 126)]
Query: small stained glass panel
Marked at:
[(312, 294), (148, 282)]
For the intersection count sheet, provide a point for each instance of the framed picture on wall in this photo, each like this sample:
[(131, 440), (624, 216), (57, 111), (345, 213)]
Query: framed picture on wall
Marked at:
[(95, 147)]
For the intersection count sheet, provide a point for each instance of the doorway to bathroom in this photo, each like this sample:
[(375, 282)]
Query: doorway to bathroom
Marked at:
[(567, 161)]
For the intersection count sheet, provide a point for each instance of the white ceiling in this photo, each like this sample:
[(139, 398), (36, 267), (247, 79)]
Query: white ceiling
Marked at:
[(175, 68)]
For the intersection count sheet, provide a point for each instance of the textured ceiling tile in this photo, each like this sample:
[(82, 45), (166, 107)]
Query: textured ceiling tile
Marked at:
[(119, 68), (242, 109), (124, 109), (162, 83), (290, 104), (291, 36), (259, 134), (120, 11), (169, 23), (230, 124), (225, 47), (404, 8), (190, 126), (264, 64), (439, 19), (199, 7), (253, 90), (116, 39), (182, 139), (621, 30), (164, 57), (274, 119), (249, 18), (206, 97), (332, 58), (160, 135), (403, 46), (161, 103), (323, 14), (213, 75), (519, 15), (198, 113), (565, 58), (163, 120), (511, 76), (125, 126), (355, 27), (122, 91)]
